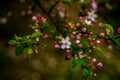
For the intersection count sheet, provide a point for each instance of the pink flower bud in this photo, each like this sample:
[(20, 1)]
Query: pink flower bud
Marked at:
[(100, 65), (80, 34), (94, 60), (36, 30), (78, 24), (57, 46), (73, 32), (45, 36), (91, 33), (119, 30), (80, 45), (34, 18), (102, 34), (97, 41), (68, 51), (95, 74), (89, 38), (94, 68), (101, 25), (91, 44), (67, 57), (84, 29), (36, 51), (72, 36), (77, 41), (37, 39)]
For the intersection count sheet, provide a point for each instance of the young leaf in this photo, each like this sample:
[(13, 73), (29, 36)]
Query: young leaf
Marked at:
[(24, 38), (29, 51), (36, 34), (79, 62), (87, 73), (12, 42), (99, 49), (19, 50)]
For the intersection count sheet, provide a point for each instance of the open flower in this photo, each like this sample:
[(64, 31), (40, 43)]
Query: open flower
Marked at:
[(66, 43), (92, 15)]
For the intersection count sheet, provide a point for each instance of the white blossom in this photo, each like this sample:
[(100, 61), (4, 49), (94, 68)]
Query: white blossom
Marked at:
[(66, 43)]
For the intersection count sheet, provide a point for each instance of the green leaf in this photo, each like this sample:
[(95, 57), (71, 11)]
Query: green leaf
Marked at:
[(86, 1), (24, 38), (108, 26), (99, 49), (87, 49), (29, 51), (87, 73), (67, 3), (12, 42), (19, 50), (56, 33), (94, 36), (117, 41), (36, 34), (79, 62), (84, 42), (46, 27)]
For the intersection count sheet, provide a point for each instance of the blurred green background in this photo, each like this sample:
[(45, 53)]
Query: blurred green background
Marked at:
[(49, 64)]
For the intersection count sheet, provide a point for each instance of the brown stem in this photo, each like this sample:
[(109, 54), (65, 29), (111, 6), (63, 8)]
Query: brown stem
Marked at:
[(47, 13)]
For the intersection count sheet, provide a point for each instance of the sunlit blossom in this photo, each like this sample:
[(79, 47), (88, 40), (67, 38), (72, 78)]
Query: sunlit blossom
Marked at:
[(92, 15), (66, 43)]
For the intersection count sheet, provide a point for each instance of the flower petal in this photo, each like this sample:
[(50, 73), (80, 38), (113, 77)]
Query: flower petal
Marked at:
[(63, 46)]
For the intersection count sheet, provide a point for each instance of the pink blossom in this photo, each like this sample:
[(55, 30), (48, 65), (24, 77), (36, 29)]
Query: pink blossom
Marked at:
[(97, 41), (100, 65), (95, 74), (94, 60), (68, 51), (34, 18), (36, 51), (84, 29), (77, 41), (102, 34), (94, 4), (72, 36), (45, 36), (37, 39), (73, 32), (119, 30), (101, 25), (57, 46), (80, 45)]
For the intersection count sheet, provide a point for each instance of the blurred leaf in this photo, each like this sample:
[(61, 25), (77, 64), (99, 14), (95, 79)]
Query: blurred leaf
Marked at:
[(86, 1), (87, 73), (67, 3), (46, 27), (12, 42), (75, 48), (29, 51), (99, 49), (36, 34), (94, 36), (84, 42), (87, 49), (79, 62), (56, 33), (24, 38), (117, 41), (19, 50)]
